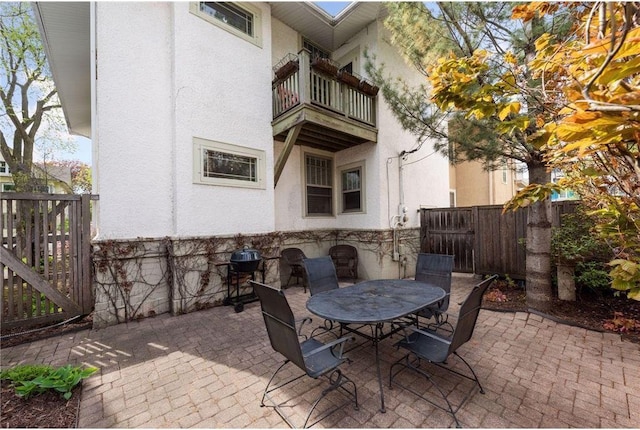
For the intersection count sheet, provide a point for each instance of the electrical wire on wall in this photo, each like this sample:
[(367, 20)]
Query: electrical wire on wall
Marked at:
[(399, 219)]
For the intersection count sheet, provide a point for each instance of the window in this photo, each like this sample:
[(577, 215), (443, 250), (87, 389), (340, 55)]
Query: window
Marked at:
[(243, 20), (4, 168), (218, 163), (8, 187), (315, 50), (352, 181), (319, 188), (452, 199)]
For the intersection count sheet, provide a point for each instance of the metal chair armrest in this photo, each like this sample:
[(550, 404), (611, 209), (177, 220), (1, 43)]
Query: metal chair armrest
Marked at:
[(301, 323), (330, 345)]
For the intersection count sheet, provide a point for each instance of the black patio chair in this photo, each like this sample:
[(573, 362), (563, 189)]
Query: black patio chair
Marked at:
[(435, 348), (436, 269), (291, 260), (321, 274), (312, 356), (345, 260)]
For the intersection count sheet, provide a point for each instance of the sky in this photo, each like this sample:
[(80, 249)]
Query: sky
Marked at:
[(332, 7), (83, 152)]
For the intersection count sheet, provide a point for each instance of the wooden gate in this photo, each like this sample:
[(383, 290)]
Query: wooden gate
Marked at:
[(45, 258), (449, 231), (482, 238)]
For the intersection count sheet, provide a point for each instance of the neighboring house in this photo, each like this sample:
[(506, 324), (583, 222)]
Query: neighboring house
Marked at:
[(563, 194), (471, 185), (195, 138), (52, 179)]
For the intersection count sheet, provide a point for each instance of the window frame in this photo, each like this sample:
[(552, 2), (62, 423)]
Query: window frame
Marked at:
[(255, 38), (201, 145), (358, 165), (330, 176)]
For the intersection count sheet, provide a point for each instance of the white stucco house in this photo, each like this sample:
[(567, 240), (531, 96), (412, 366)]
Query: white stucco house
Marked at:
[(197, 141)]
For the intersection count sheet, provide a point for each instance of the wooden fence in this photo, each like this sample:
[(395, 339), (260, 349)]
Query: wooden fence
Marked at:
[(45, 258), (482, 239)]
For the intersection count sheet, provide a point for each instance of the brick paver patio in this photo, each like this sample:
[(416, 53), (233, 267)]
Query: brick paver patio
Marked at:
[(208, 369)]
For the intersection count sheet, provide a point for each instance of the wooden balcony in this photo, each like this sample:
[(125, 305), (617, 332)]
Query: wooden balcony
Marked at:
[(325, 110)]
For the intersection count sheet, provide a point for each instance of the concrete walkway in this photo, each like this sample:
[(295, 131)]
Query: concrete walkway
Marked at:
[(208, 369)]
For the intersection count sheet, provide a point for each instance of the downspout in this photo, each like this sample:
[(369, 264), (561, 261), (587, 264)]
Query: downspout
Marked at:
[(95, 137)]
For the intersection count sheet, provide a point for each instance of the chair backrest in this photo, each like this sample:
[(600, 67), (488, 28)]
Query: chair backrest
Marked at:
[(436, 269), (293, 255), (468, 314), (321, 274), (343, 252), (280, 323)]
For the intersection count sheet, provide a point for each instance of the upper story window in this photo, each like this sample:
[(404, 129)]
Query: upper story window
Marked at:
[(218, 163), (318, 185), (4, 167), (315, 50), (241, 19), (352, 187)]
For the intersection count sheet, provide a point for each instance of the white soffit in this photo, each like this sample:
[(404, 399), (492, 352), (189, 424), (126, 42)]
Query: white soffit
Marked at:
[(320, 27), (65, 30)]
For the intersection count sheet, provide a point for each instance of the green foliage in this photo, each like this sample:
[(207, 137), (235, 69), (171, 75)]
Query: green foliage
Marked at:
[(30, 379), (574, 240), (25, 372), (31, 110), (593, 275)]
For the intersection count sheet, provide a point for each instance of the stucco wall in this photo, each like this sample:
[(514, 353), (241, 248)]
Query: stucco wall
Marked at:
[(134, 130), (425, 177), (190, 79)]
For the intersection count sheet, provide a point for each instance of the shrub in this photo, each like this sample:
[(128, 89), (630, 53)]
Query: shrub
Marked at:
[(593, 275), (31, 379)]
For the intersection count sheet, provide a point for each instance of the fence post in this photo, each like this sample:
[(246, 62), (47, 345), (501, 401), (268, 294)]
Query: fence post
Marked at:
[(474, 226), (85, 247)]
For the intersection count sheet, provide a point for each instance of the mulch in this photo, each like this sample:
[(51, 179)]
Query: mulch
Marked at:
[(590, 310), (46, 410)]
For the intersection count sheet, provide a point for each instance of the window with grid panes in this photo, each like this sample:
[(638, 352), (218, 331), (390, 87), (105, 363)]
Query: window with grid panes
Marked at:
[(240, 19), (319, 186), (352, 190), (219, 163), (314, 50)]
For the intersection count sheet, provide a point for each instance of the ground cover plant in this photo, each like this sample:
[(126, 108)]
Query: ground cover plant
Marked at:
[(36, 395)]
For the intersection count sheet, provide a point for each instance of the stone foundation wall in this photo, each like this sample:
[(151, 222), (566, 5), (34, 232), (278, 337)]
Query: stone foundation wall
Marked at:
[(141, 278)]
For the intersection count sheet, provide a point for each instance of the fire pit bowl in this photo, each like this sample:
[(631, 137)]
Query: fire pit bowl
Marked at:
[(245, 260)]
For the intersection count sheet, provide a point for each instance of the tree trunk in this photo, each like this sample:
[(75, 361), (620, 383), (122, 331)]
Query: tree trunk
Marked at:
[(538, 257)]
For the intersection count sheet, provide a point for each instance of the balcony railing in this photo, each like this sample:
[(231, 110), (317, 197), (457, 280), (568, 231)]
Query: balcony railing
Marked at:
[(300, 81)]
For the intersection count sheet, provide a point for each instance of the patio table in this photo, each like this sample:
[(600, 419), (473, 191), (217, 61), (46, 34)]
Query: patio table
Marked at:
[(374, 303)]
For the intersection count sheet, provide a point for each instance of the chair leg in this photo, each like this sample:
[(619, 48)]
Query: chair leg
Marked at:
[(408, 365), (266, 389), (337, 380), (475, 377)]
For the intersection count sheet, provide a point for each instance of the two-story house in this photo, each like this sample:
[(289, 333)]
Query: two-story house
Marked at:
[(245, 122)]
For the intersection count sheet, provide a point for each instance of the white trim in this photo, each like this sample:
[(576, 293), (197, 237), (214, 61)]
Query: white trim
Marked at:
[(255, 38), (347, 167), (332, 173), (200, 145)]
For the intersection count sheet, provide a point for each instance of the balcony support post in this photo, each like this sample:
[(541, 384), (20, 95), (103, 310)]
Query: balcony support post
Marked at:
[(292, 136), (303, 76)]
